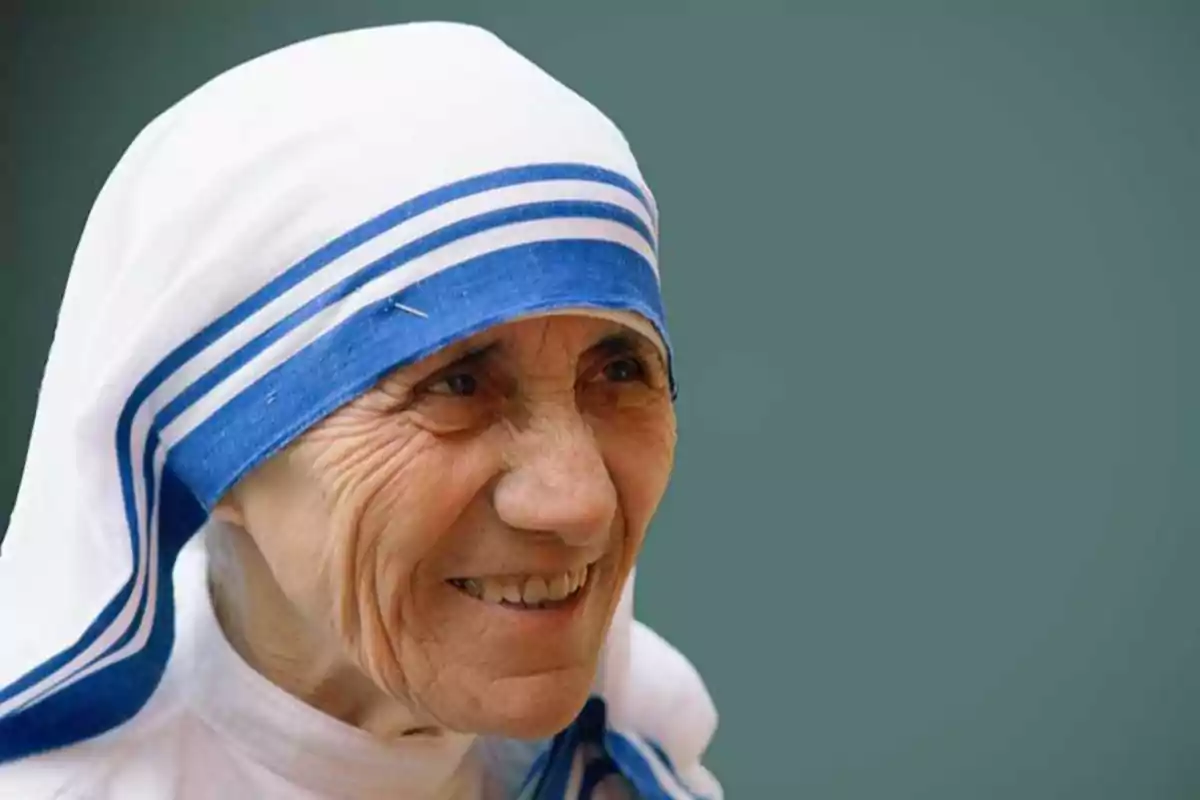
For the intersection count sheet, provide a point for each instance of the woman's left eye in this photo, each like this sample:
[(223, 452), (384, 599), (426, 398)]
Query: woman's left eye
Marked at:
[(624, 370), (459, 384)]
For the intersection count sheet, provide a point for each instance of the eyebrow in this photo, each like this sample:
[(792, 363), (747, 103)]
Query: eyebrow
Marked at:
[(623, 344), (616, 344), (473, 356)]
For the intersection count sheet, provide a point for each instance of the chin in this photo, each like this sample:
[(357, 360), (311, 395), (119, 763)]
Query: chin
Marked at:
[(529, 707)]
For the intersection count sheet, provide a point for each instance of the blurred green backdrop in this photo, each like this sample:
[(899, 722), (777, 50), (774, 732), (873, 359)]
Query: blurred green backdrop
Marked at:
[(934, 278)]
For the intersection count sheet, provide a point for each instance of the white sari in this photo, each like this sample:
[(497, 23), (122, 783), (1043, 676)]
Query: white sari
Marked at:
[(263, 252)]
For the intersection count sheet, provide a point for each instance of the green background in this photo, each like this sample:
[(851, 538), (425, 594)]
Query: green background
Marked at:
[(933, 276)]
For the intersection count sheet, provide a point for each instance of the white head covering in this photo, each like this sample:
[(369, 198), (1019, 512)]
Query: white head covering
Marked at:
[(264, 251)]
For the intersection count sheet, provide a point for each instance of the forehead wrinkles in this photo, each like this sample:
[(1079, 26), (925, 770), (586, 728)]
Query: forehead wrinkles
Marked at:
[(547, 349)]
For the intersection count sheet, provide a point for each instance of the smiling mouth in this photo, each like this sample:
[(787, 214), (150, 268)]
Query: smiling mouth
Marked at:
[(526, 592)]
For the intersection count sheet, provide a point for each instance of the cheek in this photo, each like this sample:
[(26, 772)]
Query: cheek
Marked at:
[(390, 493), (639, 448), (393, 506)]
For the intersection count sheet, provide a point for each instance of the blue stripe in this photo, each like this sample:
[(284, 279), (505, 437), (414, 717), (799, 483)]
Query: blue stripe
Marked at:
[(561, 209), (636, 769), (552, 769), (343, 363), (538, 768), (554, 780), (113, 695), (662, 756), (113, 608), (130, 697), (617, 755), (373, 228), (594, 773), (379, 225)]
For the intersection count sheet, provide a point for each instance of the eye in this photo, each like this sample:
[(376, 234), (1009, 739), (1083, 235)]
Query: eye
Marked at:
[(458, 384), (624, 370)]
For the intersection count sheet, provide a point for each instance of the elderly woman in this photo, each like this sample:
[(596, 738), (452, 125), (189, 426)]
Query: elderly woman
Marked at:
[(358, 409)]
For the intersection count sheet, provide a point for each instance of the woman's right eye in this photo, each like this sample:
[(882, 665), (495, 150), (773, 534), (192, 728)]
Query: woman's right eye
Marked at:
[(455, 401), (457, 384)]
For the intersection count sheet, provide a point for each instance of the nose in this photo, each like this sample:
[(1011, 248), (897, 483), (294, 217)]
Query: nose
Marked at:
[(557, 481)]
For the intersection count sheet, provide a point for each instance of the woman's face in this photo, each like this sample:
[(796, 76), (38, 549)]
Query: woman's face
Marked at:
[(465, 528)]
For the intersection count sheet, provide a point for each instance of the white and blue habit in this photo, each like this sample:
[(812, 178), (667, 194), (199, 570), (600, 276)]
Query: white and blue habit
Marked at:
[(263, 252)]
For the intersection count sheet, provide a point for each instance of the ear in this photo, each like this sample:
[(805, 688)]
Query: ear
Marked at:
[(229, 510)]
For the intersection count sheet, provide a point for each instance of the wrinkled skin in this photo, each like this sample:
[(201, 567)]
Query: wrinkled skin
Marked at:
[(536, 447)]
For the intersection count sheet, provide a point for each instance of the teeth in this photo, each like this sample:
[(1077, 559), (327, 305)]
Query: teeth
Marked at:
[(493, 592), (578, 578), (535, 591), (512, 593), (530, 591), (560, 587)]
